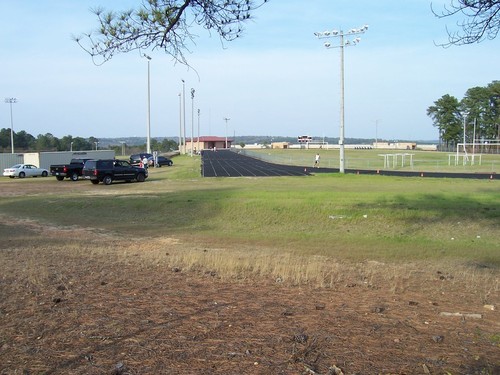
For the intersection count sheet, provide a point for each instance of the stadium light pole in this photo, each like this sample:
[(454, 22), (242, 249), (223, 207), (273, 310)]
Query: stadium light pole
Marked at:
[(180, 121), (192, 120), (198, 140), (11, 101), (226, 119), (344, 41), (183, 116), (148, 133)]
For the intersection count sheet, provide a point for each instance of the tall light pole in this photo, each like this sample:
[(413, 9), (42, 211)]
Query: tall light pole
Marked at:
[(376, 133), (226, 119), (148, 137), (184, 114), (192, 120), (11, 101), (198, 140), (342, 43), (180, 121)]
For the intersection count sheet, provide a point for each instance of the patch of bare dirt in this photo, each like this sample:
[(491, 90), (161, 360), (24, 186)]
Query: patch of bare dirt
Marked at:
[(78, 307)]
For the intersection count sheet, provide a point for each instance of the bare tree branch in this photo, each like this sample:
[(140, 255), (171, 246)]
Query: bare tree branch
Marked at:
[(480, 21), (165, 25)]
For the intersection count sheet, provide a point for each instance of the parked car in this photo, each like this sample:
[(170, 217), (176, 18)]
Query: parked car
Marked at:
[(109, 170), (73, 170), (25, 170), (137, 158), (162, 160)]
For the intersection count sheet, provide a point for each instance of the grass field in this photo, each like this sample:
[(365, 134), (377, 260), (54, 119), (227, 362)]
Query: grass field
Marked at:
[(427, 161), (182, 274), (345, 217)]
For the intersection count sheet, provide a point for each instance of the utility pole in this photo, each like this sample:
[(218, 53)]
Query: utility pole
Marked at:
[(226, 119), (11, 101)]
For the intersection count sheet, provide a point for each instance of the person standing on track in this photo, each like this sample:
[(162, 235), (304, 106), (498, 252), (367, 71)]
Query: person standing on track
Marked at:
[(316, 161)]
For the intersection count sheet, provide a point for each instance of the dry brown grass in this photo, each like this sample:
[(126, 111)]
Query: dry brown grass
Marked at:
[(82, 300)]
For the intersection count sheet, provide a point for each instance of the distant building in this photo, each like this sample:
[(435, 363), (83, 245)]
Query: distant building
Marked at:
[(207, 143), (395, 145), (280, 145)]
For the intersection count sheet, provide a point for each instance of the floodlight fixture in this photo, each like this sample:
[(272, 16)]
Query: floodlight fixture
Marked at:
[(342, 43)]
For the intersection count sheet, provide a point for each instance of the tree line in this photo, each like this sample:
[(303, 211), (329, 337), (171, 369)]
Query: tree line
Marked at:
[(24, 142), (476, 115)]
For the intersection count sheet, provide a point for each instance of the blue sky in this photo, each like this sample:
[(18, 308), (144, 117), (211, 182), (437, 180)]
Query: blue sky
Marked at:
[(278, 80)]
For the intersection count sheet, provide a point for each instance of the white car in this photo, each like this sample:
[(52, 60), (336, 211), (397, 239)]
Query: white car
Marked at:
[(25, 170)]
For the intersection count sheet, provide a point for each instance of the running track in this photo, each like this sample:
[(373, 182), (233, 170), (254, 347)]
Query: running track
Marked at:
[(226, 163)]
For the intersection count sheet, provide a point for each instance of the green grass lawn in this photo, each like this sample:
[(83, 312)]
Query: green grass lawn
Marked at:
[(351, 217), (428, 161)]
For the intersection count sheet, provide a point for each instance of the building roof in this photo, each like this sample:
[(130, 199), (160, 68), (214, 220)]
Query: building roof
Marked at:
[(209, 139)]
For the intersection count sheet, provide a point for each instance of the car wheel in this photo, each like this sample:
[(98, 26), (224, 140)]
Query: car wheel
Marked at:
[(44, 174), (107, 180), (95, 182), (59, 178), (22, 175), (141, 177), (74, 176), (170, 163)]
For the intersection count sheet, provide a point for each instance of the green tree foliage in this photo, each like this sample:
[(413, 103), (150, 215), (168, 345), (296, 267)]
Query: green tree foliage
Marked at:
[(165, 145), (68, 143), (480, 20), (24, 141), (446, 116), (4, 138), (169, 145), (81, 144), (482, 105), (46, 142), (479, 111), (165, 25)]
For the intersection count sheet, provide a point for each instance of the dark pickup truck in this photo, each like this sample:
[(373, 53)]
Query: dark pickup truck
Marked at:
[(73, 170), (107, 171)]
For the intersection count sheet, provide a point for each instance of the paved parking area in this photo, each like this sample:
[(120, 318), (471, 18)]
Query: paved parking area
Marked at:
[(225, 163)]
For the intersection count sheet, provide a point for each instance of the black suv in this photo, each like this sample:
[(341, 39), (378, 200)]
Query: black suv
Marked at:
[(107, 171)]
